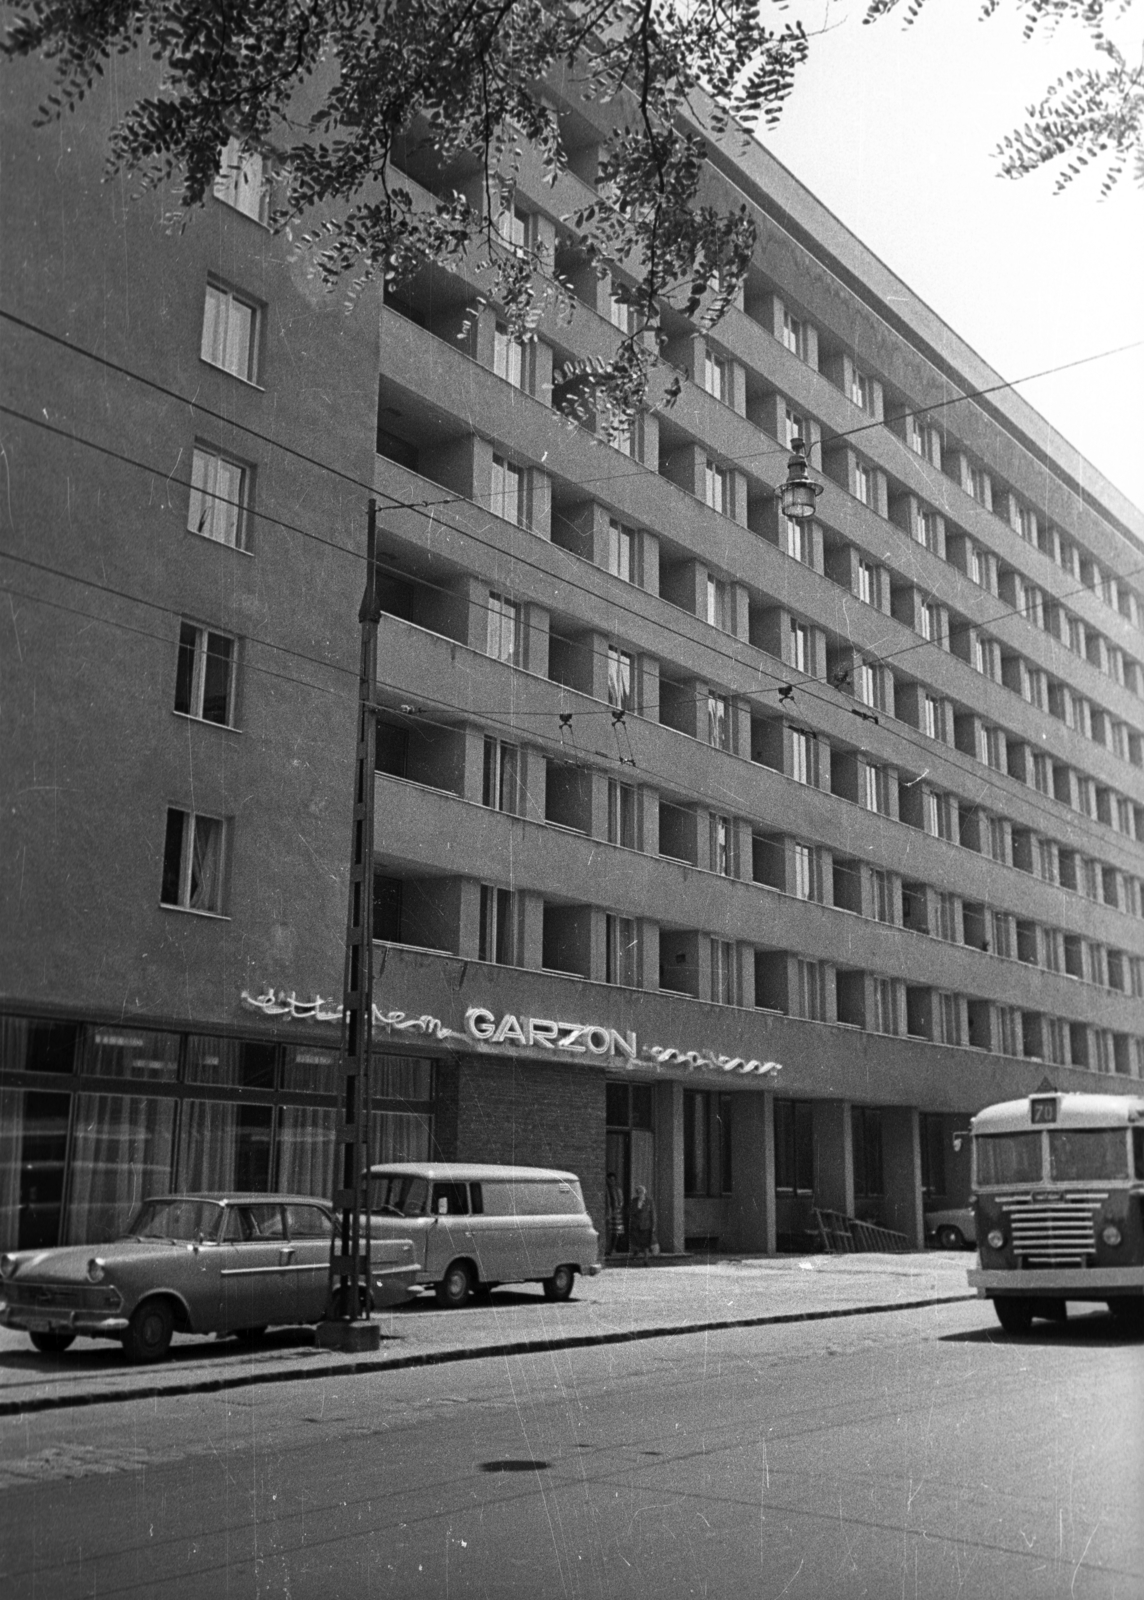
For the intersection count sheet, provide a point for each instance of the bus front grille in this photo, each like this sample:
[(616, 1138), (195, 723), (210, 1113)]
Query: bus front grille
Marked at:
[(1056, 1231)]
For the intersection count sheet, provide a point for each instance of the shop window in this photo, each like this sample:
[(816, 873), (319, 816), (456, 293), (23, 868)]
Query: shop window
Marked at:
[(931, 1131), (235, 1063), (794, 1147), (866, 1130), (132, 1053), (628, 1105), (224, 1146), (29, 1045), (121, 1154), (33, 1149), (706, 1143)]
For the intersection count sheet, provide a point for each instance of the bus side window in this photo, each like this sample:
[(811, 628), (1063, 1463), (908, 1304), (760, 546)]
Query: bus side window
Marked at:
[(1138, 1151)]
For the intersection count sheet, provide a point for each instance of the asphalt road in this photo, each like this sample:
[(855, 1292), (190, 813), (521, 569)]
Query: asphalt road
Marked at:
[(918, 1454)]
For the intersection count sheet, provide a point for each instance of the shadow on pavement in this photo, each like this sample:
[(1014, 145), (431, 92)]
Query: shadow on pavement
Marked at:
[(1094, 1330)]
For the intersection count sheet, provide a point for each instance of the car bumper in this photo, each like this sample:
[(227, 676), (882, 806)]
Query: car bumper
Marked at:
[(98, 1324), (1076, 1283)]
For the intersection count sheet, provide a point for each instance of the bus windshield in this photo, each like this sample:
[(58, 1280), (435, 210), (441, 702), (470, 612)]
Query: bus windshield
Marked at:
[(1008, 1158), (1080, 1154), (402, 1196)]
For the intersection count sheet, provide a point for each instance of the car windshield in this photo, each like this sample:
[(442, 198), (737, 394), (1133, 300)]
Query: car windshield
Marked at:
[(401, 1196), (1077, 1154), (188, 1220), (1008, 1158)]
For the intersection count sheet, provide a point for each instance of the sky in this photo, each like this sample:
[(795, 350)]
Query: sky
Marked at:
[(894, 130)]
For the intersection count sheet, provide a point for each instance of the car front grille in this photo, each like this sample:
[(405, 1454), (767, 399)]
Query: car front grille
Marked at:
[(54, 1296), (1054, 1230)]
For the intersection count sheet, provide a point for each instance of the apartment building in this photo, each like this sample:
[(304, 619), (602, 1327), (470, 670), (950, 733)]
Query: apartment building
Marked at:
[(741, 857)]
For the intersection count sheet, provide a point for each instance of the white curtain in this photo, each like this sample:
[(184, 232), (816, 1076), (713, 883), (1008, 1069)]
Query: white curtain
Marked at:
[(208, 1144), (306, 1150), (399, 1136), (121, 1154)]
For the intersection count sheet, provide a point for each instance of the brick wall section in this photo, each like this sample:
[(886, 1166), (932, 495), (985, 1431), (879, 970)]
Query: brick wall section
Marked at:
[(446, 1086), (535, 1116)]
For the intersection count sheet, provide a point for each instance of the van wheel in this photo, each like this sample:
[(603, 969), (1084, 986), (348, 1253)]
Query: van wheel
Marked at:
[(52, 1344), (453, 1289), (1014, 1313), (148, 1336), (559, 1286)]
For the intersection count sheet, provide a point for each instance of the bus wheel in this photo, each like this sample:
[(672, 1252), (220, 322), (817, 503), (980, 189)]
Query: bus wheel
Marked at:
[(1014, 1313), (1128, 1315)]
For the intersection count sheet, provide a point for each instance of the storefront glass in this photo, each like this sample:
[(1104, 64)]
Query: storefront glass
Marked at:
[(121, 1154)]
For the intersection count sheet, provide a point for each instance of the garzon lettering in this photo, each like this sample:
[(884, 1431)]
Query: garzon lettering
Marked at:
[(576, 1038)]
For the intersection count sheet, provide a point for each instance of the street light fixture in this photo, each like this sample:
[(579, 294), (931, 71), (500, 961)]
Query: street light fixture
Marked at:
[(799, 492)]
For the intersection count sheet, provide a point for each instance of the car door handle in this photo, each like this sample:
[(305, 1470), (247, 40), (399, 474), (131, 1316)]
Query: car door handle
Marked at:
[(286, 1254)]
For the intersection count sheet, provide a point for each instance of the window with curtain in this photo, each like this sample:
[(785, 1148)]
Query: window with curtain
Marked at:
[(121, 1155), (305, 1153), (223, 1145)]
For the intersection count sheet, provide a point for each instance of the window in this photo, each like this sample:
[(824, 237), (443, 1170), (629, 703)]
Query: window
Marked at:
[(241, 181), (496, 935), (933, 717), (721, 846), (619, 678), (230, 329), (993, 748), (203, 675), (794, 1146), (507, 496), (794, 427), (1024, 522), (885, 1005), (1047, 860), (218, 497), (996, 839), (949, 1018), (621, 314), (512, 226), (716, 375), (794, 335), (866, 684), (501, 776), (621, 814), (718, 721), (1042, 774), (715, 486), (881, 896), (861, 391), (946, 919), (508, 354), (1002, 933), (723, 972), (801, 769), (810, 990), (876, 788), (862, 483), (867, 583), (937, 814), (978, 485), (504, 629), (866, 1137), (621, 951), (931, 622), (926, 529), (924, 441), (718, 603), (800, 646), (192, 862), (806, 871), (799, 541), (706, 1143), (621, 551)]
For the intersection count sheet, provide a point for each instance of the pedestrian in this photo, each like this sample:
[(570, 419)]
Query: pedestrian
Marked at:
[(641, 1224), (613, 1215)]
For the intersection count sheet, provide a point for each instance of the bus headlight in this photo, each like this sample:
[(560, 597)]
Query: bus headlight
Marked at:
[(1111, 1234), (995, 1239)]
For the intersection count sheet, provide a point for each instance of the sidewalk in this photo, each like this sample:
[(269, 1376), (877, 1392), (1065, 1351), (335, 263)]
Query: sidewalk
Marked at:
[(622, 1303)]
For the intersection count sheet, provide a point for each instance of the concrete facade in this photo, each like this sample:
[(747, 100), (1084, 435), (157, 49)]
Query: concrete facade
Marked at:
[(838, 839)]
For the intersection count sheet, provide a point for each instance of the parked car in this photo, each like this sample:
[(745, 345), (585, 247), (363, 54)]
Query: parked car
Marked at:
[(953, 1229), (474, 1226), (191, 1263)]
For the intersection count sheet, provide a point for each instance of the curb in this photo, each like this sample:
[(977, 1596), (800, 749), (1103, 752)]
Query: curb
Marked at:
[(436, 1358)]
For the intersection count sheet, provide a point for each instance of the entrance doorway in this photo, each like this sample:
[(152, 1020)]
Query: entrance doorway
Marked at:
[(629, 1155)]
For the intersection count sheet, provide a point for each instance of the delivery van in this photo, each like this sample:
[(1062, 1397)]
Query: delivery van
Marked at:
[(474, 1226)]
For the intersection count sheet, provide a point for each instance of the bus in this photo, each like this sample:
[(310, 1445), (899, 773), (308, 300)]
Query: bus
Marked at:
[(1058, 1198)]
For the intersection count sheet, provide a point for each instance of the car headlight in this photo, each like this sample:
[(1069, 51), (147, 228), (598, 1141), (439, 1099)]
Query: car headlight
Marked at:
[(995, 1239), (7, 1266), (1111, 1234), (96, 1272)]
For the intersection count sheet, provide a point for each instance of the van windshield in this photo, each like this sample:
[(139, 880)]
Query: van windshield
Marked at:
[(398, 1196)]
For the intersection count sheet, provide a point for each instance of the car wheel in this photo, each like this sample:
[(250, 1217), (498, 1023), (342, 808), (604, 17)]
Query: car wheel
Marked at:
[(1127, 1314), (250, 1335), (148, 1336), (559, 1286), (1014, 1313), (950, 1238), (52, 1344), (453, 1289)]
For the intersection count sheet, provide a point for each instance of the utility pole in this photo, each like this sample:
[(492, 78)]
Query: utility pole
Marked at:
[(348, 1325)]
